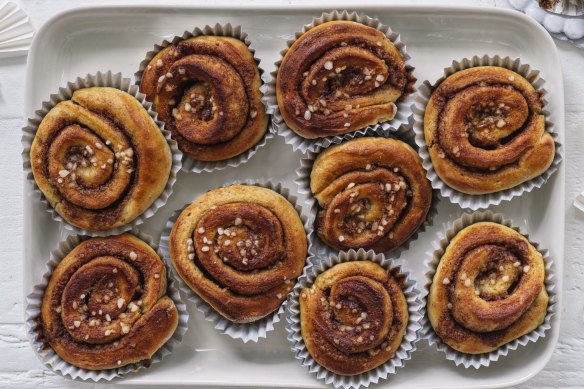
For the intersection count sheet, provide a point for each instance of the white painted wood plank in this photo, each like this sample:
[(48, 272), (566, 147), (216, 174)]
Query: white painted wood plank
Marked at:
[(11, 310)]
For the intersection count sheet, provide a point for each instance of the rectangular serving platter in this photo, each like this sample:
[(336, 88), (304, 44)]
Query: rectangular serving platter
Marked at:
[(115, 38)]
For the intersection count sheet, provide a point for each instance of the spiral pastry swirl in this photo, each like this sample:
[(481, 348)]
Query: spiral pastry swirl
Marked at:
[(339, 77), (99, 159), (485, 130), (488, 289), (373, 192), (106, 306), (240, 248), (353, 318), (206, 90)]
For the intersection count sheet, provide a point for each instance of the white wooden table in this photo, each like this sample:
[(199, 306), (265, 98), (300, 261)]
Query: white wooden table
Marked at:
[(19, 367)]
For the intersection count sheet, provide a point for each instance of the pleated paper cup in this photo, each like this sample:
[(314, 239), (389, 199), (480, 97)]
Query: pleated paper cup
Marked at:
[(107, 79), (247, 332), (53, 361), (403, 115), (319, 248), (482, 201), (443, 240), (415, 310), (228, 30)]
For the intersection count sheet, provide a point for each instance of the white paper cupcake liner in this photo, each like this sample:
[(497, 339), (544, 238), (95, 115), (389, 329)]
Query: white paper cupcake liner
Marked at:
[(107, 79), (319, 248), (16, 30), (475, 202), (196, 166), (440, 245), (50, 359), (247, 332), (403, 353), (403, 115)]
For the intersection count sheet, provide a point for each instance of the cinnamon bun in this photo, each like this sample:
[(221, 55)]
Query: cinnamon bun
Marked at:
[(373, 194), (339, 77), (354, 317), (105, 305), (240, 248), (207, 91), (485, 130), (488, 289), (99, 159)]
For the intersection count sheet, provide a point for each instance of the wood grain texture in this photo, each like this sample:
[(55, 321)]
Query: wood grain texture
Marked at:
[(21, 369)]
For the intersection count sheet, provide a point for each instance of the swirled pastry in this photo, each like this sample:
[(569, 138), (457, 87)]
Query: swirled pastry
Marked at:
[(373, 192), (485, 130), (207, 91), (240, 248), (106, 306), (488, 289), (99, 159), (339, 77), (353, 318)]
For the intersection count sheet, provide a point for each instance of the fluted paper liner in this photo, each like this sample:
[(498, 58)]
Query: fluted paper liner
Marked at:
[(196, 166), (107, 79), (403, 115), (482, 201), (382, 372), (440, 245), (319, 248), (247, 332), (50, 359)]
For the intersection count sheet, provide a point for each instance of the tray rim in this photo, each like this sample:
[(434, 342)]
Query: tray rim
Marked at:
[(366, 6)]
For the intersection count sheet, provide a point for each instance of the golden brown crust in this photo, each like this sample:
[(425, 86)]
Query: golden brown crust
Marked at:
[(353, 318), (340, 77), (485, 130), (99, 159), (488, 289), (207, 91), (240, 248), (373, 192), (106, 306)]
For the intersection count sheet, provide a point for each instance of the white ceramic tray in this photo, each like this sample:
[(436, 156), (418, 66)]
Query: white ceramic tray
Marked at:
[(116, 38)]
